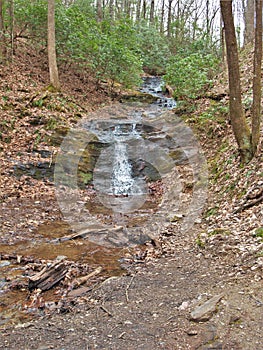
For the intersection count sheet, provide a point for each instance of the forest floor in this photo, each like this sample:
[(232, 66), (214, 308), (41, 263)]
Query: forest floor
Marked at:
[(199, 290)]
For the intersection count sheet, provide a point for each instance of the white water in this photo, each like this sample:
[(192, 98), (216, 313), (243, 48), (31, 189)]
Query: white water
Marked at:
[(122, 180)]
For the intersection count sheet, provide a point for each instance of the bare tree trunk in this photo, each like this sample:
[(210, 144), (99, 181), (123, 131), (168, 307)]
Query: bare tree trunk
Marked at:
[(238, 121), (256, 108), (138, 10), (11, 24), (162, 18), (169, 19), (127, 8), (222, 38), (2, 35), (207, 19), (99, 11), (52, 57), (152, 11), (249, 22), (144, 9), (111, 9)]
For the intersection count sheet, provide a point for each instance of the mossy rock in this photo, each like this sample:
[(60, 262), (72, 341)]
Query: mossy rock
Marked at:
[(58, 135)]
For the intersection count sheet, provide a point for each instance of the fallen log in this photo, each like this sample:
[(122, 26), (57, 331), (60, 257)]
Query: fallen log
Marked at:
[(48, 276), (89, 230), (84, 279), (19, 259)]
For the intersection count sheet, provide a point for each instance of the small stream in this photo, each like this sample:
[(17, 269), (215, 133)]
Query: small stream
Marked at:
[(113, 169)]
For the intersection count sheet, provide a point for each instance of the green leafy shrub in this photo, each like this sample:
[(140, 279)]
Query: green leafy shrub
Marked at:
[(106, 51), (190, 76), (31, 17), (154, 49)]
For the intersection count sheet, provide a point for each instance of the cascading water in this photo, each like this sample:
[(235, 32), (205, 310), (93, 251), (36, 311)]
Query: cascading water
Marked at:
[(123, 182), (132, 152), (119, 178), (113, 176), (155, 86)]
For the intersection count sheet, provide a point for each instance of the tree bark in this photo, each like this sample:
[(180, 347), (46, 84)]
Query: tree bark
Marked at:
[(11, 26), (249, 22), (222, 39), (52, 57), (256, 107), (127, 8), (111, 9), (169, 19), (144, 9), (238, 121), (138, 10), (2, 35), (152, 11), (162, 18), (99, 11), (207, 19)]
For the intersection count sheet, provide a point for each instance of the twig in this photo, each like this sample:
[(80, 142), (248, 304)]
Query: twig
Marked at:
[(89, 230), (106, 310), (127, 288), (84, 279), (249, 205), (19, 258)]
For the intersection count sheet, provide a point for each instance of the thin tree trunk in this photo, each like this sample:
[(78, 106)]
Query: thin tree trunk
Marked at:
[(144, 9), (152, 11), (138, 10), (2, 35), (52, 57), (99, 11), (111, 9), (222, 38), (207, 19), (249, 22), (169, 19), (11, 24), (162, 18), (238, 121), (256, 108), (127, 8)]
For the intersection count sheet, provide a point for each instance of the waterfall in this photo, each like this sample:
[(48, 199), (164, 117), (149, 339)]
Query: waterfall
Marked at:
[(122, 179)]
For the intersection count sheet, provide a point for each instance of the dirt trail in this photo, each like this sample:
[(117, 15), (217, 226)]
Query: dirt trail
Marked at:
[(150, 309)]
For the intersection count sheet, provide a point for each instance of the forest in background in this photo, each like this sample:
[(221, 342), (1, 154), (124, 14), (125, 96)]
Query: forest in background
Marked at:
[(117, 40), (186, 42)]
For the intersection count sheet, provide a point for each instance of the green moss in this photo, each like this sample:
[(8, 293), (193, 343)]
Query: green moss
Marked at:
[(175, 218), (86, 178), (259, 232), (211, 211), (200, 242), (219, 231), (52, 89)]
